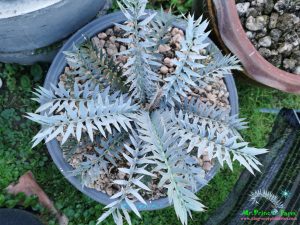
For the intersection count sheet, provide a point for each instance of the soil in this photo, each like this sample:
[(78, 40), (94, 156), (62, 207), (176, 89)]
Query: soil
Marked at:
[(214, 94), (273, 26)]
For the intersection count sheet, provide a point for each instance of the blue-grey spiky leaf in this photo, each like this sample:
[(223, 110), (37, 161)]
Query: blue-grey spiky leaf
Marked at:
[(90, 112), (156, 131), (139, 71), (186, 72), (132, 185), (216, 142)]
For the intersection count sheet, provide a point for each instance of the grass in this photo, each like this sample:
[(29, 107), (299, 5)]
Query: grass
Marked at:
[(252, 99), (17, 157)]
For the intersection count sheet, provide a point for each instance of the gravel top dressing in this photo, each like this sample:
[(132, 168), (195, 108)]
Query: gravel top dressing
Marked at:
[(273, 26)]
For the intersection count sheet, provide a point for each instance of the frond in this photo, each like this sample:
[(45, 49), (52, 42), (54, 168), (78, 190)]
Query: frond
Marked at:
[(213, 117), (220, 66), (159, 136), (188, 60), (130, 188), (56, 98), (161, 25), (107, 152), (257, 195), (99, 113), (139, 70), (217, 144), (91, 65), (70, 147)]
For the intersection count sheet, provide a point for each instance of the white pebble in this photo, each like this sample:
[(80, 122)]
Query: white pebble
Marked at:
[(297, 70), (164, 48), (102, 35), (164, 70), (242, 8), (207, 166), (265, 41), (177, 38), (122, 48), (174, 31), (168, 62)]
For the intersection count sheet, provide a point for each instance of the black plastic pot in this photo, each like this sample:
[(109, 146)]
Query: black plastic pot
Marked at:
[(18, 217), (56, 70)]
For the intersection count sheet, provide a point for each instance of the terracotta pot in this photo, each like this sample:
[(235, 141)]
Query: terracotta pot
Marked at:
[(228, 33)]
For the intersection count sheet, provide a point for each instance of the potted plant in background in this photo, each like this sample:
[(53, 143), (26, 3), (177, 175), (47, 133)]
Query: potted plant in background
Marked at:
[(141, 112), (264, 35), (33, 30)]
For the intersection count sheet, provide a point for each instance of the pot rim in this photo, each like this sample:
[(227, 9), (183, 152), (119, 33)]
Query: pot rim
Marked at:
[(256, 66), (55, 70), (28, 10)]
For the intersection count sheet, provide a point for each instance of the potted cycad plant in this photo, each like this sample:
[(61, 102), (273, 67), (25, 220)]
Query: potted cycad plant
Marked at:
[(138, 108)]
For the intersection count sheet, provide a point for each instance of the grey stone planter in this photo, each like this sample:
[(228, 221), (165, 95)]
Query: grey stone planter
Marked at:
[(27, 25), (57, 68)]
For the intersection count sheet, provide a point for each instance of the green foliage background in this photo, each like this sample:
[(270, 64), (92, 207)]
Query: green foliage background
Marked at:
[(17, 157)]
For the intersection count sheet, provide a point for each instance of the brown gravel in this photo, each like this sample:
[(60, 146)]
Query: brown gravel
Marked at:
[(105, 184), (215, 94)]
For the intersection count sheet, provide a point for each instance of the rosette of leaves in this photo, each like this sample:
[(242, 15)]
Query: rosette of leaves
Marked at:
[(150, 123)]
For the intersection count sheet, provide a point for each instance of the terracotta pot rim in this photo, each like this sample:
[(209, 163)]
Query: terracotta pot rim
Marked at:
[(256, 66)]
